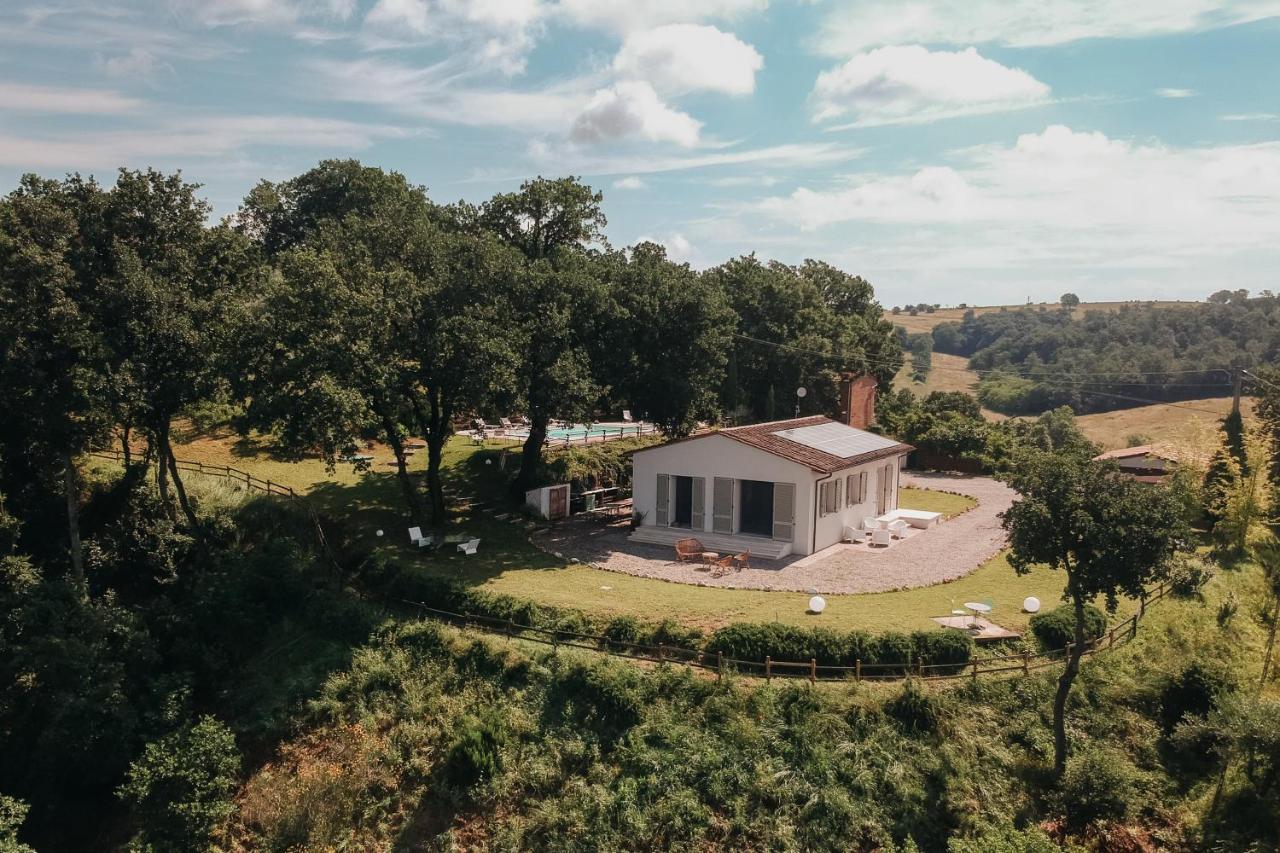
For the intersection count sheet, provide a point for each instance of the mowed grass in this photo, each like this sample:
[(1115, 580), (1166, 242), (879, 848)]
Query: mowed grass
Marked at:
[(507, 562), (1186, 425)]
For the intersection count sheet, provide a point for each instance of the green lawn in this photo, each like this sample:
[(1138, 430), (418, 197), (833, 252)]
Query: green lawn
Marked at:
[(508, 563)]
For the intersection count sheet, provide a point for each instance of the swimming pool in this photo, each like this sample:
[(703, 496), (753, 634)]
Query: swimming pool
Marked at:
[(579, 432)]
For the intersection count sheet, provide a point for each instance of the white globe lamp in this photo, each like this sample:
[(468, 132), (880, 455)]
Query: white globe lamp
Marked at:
[(1031, 604), (817, 604)]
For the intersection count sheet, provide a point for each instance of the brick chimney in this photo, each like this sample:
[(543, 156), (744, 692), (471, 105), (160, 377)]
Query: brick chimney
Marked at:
[(858, 399)]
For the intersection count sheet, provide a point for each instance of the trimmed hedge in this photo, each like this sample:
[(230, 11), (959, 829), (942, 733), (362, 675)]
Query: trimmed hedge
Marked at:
[(1056, 628), (892, 653)]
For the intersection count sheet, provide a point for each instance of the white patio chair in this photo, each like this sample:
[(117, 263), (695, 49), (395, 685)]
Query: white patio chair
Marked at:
[(416, 537), (470, 547), (881, 537), (869, 524), (852, 534), (898, 528), (626, 416)]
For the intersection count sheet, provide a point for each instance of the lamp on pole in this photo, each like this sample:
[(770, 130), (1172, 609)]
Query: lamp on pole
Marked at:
[(800, 392)]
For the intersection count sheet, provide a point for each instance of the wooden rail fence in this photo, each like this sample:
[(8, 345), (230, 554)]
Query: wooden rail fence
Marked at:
[(1022, 663)]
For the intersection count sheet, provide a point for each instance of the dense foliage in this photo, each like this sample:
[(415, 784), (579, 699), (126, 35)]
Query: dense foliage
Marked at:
[(1037, 359)]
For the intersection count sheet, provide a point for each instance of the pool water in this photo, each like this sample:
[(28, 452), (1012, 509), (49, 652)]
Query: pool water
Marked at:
[(582, 431)]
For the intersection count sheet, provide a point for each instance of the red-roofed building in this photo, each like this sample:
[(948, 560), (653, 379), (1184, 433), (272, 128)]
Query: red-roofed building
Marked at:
[(1144, 463), (785, 487)]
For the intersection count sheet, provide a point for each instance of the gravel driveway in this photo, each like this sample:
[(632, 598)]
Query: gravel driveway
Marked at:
[(950, 550)]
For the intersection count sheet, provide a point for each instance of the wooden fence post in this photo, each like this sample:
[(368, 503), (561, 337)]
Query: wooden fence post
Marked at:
[(768, 668), (661, 653), (857, 670), (1142, 605), (813, 670), (973, 661), (1026, 662), (1111, 638), (719, 665)]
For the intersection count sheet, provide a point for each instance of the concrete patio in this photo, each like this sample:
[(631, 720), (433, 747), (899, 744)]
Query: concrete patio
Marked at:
[(950, 550)]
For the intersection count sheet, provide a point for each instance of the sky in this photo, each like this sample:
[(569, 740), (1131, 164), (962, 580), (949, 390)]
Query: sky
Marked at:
[(949, 151)]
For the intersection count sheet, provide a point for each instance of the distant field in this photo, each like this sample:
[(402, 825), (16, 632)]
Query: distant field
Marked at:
[(949, 373), (1180, 424), (926, 322)]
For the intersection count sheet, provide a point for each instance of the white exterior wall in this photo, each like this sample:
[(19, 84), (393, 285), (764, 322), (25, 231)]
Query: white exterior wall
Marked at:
[(831, 527), (717, 456)]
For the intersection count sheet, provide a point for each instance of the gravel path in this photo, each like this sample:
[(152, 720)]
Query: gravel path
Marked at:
[(950, 550)]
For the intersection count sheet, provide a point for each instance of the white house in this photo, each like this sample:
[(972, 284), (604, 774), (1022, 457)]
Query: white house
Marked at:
[(786, 487)]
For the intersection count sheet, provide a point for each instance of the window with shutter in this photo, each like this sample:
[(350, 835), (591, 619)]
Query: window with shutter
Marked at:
[(698, 512), (784, 511), (722, 505), (661, 510)]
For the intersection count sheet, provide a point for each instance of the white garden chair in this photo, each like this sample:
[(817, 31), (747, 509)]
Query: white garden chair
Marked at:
[(881, 537), (469, 547)]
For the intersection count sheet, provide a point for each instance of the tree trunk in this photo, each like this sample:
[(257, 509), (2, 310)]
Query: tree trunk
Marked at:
[(531, 458), (159, 443), (1065, 681), (436, 428), (73, 516), (412, 500), (181, 490), (124, 446), (1271, 644)]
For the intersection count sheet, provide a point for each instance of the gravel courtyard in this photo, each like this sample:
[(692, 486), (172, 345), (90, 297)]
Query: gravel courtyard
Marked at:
[(950, 550)]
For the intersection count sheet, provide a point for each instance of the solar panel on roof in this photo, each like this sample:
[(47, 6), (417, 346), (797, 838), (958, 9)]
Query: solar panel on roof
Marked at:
[(837, 439)]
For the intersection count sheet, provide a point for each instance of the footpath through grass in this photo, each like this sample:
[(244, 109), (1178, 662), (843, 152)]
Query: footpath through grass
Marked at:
[(508, 563)]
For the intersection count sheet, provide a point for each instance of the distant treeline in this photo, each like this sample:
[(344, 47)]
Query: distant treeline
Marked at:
[(1036, 359)]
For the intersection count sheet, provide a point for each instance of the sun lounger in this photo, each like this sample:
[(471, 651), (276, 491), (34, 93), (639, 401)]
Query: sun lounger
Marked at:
[(469, 547), (742, 561), (626, 416)]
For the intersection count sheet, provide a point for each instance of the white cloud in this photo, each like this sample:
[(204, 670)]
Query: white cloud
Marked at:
[(179, 141), (690, 57), (395, 14), (1251, 117), (138, 64), (1061, 198), (575, 160), (264, 13), (911, 84), (630, 183), (1176, 93), (442, 93), (20, 97), (632, 109), (854, 25), (678, 247), (627, 15)]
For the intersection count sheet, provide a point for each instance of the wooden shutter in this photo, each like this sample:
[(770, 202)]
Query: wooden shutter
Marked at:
[(661, 511), (784, 511), (862, 487), (835, 504), (722, 505), (697, 519)]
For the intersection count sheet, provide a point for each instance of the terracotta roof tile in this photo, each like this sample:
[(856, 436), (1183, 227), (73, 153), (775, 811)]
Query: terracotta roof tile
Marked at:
[(764, 437)]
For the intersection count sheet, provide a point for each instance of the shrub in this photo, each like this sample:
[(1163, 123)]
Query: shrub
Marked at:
[(951, 650), (476, 752), (1099, 785), (622, 632), (603, 695), (1189, 575), (890, 652), (1055, 629), (1004, 839), (915, 710), (181, 786), (1192, 692)]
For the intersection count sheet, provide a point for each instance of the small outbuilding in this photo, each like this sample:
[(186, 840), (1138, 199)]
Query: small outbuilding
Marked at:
[(1145, 463), (779, 488)]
